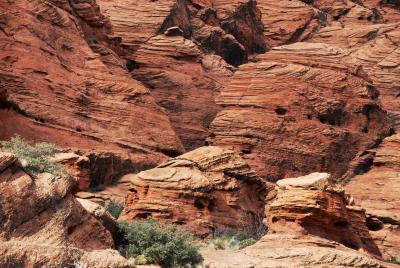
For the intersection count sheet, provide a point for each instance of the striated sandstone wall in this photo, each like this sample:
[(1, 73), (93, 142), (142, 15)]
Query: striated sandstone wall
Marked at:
[(300, 108)]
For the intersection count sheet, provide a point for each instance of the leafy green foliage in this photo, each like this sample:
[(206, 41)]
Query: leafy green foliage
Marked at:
[(228, 238), (395, 260), (114, 208), (165, 246), (35, 158)]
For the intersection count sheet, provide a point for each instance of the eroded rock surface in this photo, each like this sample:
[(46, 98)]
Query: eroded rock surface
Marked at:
[(378, 192), (43, 224), (312, 223), (64, 84), (313, 205), (288, 250), (300, 108), (200, 191)]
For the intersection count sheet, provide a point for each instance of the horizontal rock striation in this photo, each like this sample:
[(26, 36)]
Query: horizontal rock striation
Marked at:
[(200, 191), (313, 205), (300, 108), (60, 84), (184, 81), (378, 192)]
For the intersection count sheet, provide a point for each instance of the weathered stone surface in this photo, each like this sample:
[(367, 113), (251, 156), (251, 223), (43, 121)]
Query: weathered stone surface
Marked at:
[(288, 250), (312, 223), (78, 166), (101, 214), (42, 224), (314, 205), (375, 47), (200, 191), (60, 86), (289, 21), (37, 255), (378, 192), (300, 108), (184, 82)]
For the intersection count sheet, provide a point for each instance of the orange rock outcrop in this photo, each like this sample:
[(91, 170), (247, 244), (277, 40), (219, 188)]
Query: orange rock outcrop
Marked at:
[(200, 191), (42, 224)]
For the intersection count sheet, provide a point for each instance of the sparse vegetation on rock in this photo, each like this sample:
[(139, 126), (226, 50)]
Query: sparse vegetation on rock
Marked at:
[(35, 158), (395, 260), (230, 239), (163, 245), (114, 208)]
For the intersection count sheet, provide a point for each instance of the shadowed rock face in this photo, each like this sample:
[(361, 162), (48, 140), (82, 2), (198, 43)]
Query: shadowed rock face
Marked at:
[(300, 108), (378, 192), (313, 205), (200, 191), (43, 224), (312, 223)]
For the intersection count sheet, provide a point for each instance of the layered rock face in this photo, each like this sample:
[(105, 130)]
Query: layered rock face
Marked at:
[(378, 192), (43, 224), (200, 191), (312, 205), (184, 81), (300, 108), (168, 50), (62, 83), (312, 223)]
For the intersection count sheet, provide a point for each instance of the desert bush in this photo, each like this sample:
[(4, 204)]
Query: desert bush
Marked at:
[(35, 158), (165, 246), (394, 260), (114, 208), (228, 238)]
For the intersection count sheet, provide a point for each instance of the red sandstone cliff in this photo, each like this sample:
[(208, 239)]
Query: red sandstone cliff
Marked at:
[(284, 88)]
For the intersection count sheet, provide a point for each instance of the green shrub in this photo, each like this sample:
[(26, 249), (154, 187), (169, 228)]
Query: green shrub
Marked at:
[(394, 260), (35, 158), (228, 238), (247, 242), (97, 188), (165, 246), (114, 208)]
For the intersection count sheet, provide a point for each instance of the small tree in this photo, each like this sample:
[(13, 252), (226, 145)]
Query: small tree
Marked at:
[(35, 158), (165, 246)]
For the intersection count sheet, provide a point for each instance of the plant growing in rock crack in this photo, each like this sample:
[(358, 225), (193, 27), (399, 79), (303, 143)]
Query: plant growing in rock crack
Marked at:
[(35, 158), (229, 239), (163, 245), (114, 208)]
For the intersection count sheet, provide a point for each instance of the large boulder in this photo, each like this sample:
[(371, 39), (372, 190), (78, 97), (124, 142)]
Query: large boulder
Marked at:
[(200, 191), (311, 223), (42, 224), (315, 206)]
